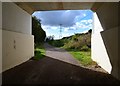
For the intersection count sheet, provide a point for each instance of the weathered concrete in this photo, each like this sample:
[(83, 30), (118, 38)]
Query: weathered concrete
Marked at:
[(108, 16), (0, 37), (17, 41), (30, 7)]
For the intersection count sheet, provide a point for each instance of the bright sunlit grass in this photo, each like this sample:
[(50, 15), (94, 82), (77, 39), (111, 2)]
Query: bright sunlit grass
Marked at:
[(39, 52), (83, 56)]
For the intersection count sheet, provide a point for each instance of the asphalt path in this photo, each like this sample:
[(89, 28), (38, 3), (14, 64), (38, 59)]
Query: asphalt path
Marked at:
[(53, 70), (60, 54)]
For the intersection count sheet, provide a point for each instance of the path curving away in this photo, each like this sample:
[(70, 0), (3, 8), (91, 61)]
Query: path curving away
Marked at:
[(60, 54)]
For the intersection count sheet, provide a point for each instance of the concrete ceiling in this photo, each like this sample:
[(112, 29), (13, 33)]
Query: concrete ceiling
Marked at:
[(31, 7)]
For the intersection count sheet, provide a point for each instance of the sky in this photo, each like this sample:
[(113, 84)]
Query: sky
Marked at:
[(70, 22)]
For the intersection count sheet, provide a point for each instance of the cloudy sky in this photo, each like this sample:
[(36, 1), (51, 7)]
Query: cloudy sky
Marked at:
[(71, 21)]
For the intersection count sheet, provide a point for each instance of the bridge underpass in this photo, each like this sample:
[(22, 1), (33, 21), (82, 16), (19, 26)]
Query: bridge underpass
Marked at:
[(20, 27)]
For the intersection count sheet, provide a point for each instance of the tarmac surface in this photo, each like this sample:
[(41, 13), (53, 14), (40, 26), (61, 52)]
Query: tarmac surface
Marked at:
[(60, 54), (54, 69)]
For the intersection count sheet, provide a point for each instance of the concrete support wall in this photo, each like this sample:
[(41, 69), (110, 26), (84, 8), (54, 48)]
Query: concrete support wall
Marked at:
[(110, 38), (17, 41), (0, 42), (99, 53), (15, 19), (17, 48), (108, 16), (0, 37)]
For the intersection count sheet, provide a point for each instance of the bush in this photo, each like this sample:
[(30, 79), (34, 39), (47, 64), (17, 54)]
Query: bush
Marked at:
[(78, 42), (85, 48), (57, 43)]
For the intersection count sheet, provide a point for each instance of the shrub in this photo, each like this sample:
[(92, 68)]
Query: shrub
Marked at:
[(57, 43), (85, 48)]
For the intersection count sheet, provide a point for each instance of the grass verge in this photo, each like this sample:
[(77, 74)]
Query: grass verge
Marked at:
[(83, 56), (39, 51)]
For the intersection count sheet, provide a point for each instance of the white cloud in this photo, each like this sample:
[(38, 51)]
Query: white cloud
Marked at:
[(66, 29), (67, 11), (54, 18), (85, 31), (84, 24), (87, 21), (84, 14), (84, 21), (67, 34), (45, 27), (54, 28), (90, 21)]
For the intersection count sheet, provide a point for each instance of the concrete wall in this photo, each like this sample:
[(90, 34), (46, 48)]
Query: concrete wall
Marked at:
[(17, 41), (110, 38), (99, 53), (15, 19), (0, 15), (0, 37), (108, 16), (17, 48), (0, 42)]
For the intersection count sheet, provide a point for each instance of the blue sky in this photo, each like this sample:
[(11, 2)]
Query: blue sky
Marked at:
[(72, 21)]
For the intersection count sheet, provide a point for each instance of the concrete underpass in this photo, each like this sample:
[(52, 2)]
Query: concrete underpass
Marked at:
[(17, 43)]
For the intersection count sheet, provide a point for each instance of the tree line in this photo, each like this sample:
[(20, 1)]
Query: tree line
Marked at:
[(37, 31)]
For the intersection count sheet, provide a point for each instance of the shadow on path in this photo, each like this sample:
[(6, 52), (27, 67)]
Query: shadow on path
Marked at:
[(52, 71)]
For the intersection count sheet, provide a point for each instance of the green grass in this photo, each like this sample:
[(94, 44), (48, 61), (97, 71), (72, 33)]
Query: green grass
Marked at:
[(39, 52), (83, 56)]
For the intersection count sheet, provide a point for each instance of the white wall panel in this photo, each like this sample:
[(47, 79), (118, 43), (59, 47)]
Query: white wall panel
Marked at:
[(15, 19), (17, 48)]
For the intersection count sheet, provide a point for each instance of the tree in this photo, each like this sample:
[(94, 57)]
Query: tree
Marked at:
[(37, 31), (50, 38), (90, 31)]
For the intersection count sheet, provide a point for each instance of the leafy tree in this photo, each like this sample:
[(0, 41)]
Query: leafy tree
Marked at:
[(90, 31), (37, 31), (50, 38)]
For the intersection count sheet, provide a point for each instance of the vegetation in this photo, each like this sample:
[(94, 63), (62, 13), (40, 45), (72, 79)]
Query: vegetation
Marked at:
[(57, 43), (83, 57), (79, 45), (39, 37), (37, 31), (77, 42), (39, 51)]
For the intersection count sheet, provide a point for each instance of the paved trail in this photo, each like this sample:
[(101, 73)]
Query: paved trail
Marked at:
[(60, 54), (53, 71)]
